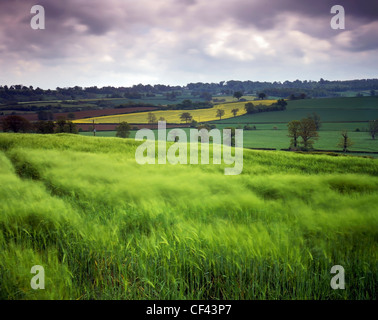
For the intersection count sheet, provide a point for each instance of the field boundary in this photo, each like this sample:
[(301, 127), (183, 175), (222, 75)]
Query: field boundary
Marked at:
[(282, 122), (338, 151), (312, 151)]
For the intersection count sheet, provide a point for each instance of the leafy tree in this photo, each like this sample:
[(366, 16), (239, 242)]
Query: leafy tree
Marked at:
[(45, 115), (194, 124), (64, 126), (238, 94), (220, 113), (151, 117), (206, 96), (250, 107), (302, 96), (294, 128), (314, 116), (249, 127), (44, 127), (282, 103), (372, 93), (373, 128), (123, 130), (207, 127), (186, 116), (262, 95), (345, 141), (235, 111), (187, 103), (70, 127), (61, 123), (161, 119), (308, 133), (71, 116), (129, 95), (16, 124)]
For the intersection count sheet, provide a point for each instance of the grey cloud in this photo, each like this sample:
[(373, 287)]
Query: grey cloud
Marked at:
[(101, 17), (361, 39), (170, 37)]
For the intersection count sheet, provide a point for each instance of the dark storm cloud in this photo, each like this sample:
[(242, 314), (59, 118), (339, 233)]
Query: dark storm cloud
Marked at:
[(363, 9), (263, 13), (362, 39), (97, 22), (99, 17), (315, 15), (151, 39)]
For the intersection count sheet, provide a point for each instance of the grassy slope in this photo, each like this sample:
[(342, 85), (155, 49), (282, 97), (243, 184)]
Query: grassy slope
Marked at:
[(105, 227)]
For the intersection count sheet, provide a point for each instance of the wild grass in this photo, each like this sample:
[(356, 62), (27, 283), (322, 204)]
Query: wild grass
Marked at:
[(105, 227)]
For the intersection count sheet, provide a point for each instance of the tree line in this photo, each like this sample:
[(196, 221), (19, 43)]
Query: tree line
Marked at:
[(18, 124), (283, 89)]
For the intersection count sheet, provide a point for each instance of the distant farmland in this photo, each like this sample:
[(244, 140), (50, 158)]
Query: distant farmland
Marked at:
[(173, 116), (330, 109), (336, 114)]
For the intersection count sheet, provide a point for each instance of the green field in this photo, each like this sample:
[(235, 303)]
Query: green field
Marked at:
[(336, 114), (329, 110), (104, 227), (267, 137)]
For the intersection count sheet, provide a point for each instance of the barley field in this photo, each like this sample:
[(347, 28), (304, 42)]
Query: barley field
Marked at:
[(104, 227)]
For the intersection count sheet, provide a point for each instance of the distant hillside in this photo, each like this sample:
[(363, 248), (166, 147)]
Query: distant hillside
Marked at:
[(329, 109), (322, 88)]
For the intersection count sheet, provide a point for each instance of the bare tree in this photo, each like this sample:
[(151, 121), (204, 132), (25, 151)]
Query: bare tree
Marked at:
[(345, 141), (373, 128)]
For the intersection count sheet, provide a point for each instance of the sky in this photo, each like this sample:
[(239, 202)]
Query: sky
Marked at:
[(175, 42)]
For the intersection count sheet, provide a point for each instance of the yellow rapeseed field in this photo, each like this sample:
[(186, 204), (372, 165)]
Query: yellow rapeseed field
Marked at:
[(173, 116)]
